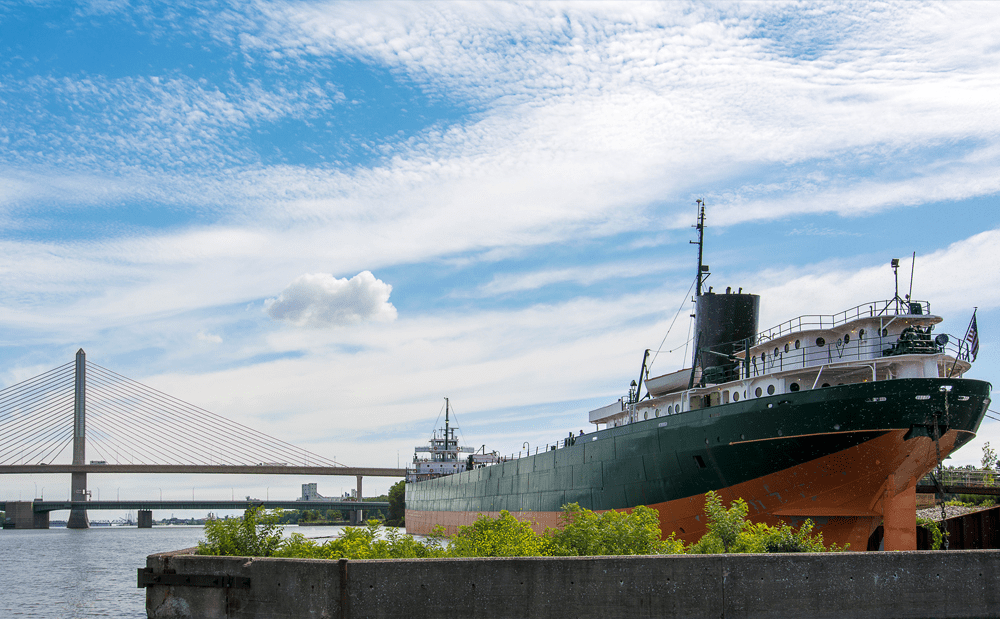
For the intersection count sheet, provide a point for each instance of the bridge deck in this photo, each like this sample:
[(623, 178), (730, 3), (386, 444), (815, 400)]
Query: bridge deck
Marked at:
[(259, 469), (49, 506)]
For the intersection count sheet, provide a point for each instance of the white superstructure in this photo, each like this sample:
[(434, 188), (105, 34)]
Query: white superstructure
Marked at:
[(881, 340)]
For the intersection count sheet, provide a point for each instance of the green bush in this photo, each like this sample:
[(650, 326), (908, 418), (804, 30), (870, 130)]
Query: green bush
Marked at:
[(583, 533), (937, 535), (503, 536), (730, 531), (369, 542), (255, 534)]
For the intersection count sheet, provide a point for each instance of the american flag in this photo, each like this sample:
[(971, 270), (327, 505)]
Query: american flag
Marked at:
[(972, 337)]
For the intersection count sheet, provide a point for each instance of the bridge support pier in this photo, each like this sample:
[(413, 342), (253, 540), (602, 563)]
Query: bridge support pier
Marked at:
[(23, 516), (145, 518), (359, 515), (78, 515)]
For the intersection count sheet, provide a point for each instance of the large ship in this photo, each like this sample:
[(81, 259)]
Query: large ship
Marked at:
[(829, 417)]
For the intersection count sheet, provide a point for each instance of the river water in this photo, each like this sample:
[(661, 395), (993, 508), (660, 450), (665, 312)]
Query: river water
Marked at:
[(71, 573)]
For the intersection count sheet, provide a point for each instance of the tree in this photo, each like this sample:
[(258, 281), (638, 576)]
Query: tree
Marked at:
[(989, 462), (397, 504)]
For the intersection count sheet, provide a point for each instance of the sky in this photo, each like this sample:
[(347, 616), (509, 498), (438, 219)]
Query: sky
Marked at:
[(320, 219)]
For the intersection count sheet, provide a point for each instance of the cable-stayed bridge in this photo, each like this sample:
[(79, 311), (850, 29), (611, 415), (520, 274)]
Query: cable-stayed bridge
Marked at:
[(51, 422)]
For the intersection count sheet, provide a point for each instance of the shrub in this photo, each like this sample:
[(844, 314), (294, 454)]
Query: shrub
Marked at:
[(585, 533), (255, 534), (937, 535), (369, 542), (504, 536), (730, 531)]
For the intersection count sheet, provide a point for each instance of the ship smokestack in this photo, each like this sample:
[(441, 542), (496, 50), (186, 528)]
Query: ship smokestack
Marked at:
[(725, 325)]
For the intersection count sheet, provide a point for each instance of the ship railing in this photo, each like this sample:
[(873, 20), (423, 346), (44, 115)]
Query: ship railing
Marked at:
[(569, 441), (813, 353), (872, 309), (972, 478)]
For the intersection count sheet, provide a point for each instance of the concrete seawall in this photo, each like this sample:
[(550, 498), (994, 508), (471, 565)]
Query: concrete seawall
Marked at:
[(873, 584)]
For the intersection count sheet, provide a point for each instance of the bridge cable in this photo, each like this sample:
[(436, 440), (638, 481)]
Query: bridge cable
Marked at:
[(229, 431)]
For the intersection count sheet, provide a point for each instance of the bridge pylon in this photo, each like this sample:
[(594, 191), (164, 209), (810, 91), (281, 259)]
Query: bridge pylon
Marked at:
[(78, 515)]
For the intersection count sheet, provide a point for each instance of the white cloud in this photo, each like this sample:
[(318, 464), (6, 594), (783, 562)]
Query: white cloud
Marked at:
[(585, 276), (209, 337), (321, 300)]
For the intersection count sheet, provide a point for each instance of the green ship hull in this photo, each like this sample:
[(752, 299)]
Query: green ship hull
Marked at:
[(663, 460)]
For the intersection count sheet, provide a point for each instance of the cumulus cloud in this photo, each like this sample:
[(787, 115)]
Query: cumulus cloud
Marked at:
[(321, 300)]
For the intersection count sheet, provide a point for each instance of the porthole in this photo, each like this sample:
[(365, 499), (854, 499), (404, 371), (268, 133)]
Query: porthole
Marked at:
[(736, 396), (645, 415), (826, 385), (798, 344), (820, 342), (861, 334), (744, 394), (775, 352), (786, 346), (656, 412), (885, 333), (847, 337), (763, 357), (758, 392), (770, 390), (793, 387)]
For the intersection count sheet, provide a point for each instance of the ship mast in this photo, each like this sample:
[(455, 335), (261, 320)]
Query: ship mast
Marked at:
[(702, 270), (446, 429), (700, 226)]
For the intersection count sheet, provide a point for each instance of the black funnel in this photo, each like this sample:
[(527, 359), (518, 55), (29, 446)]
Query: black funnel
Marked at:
[(724, 325)]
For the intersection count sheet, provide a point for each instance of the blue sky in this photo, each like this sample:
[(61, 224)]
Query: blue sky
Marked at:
[(321, 218)]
